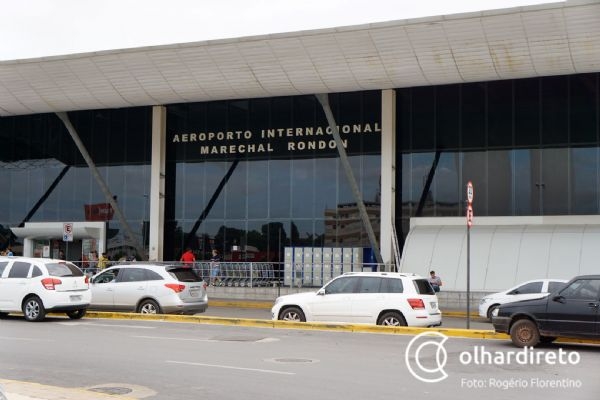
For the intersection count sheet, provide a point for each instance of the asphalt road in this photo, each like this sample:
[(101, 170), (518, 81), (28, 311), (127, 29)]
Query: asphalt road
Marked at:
[(260, 313), (191, 361)]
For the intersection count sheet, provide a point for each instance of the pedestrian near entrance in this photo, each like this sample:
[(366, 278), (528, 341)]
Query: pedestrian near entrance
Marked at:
[(435, 281), (215, 268), (188, 257), (102, 261)]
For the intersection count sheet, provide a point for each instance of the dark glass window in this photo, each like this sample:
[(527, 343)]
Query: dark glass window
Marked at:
[(447, 114), (132, 275), (342, 285), (2, 267), (423, 286), (473, 116), (555, 107), (369, 285), (423, 118), (555, 286), (19, 270), (391, 285), (527, 112), (583, 112), (500, 113), (528, 288), (36, 272)]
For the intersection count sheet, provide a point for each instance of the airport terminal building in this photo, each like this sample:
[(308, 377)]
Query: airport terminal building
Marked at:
[(223, 144)]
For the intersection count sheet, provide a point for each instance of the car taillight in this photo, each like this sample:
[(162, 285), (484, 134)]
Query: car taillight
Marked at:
[(176, 287), (87, 280), (50, 283), (416, 304)]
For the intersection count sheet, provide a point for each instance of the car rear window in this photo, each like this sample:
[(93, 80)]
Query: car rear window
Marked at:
[(423, 286), (63, 269), (184, 274)]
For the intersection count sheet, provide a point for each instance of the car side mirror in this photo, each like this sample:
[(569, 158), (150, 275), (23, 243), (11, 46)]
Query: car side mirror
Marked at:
[(321, 292), (559, 299)]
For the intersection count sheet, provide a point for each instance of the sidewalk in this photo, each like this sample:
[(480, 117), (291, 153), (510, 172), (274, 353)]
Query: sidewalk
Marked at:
[(20, 390)]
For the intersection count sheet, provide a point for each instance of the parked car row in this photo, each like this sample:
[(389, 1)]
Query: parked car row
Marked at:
[(572, 311), (36, 286)]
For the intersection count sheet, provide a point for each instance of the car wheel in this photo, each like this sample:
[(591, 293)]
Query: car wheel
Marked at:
[(525, 333), (33, 309), (391, 319), (77, 314), (292, 314), (547, 339), (491, 310), (149, 307)]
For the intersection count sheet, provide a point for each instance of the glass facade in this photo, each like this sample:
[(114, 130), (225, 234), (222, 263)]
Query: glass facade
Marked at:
[(251, 177), (530, 147), (45, 178)]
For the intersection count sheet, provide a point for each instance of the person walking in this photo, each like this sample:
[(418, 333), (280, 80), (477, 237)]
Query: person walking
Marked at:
[(215, 271), (188, 257), (435, 281)]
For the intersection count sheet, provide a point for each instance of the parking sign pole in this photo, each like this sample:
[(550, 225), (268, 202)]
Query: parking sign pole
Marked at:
[(469, 223)]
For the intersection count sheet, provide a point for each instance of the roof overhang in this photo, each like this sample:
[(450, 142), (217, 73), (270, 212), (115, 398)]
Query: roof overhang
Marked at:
[(542, 40)]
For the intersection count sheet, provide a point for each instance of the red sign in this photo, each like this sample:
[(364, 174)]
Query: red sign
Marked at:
[(98, 212), (469, 215)]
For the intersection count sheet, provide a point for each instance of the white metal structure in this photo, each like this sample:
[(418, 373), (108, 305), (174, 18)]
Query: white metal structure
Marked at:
[(541, 40), (504, 250)]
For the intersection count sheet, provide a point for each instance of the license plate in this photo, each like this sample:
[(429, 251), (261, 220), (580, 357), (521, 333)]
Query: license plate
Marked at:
[(75, 298), (433, 304)]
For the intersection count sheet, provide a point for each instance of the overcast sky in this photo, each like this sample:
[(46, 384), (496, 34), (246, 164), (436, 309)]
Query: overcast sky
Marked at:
[(37, 28)]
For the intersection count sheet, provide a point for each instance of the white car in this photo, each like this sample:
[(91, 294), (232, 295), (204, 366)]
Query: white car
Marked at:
[(35, 286), (382, 298), (149, 289), (525, 291)]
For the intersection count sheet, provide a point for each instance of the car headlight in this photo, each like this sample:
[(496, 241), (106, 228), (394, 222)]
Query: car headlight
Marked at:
[(484, 300), (495, 312)]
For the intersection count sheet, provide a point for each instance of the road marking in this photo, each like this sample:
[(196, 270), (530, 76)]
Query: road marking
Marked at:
[(25, 339), (176, 338), (108, 325), (268, 371)]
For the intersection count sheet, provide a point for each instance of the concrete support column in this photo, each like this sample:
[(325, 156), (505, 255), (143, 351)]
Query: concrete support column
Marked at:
[(157, 184), (388, 174)]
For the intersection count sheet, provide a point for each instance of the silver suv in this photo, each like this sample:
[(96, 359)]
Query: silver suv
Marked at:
[(36, 286), (382, 298)]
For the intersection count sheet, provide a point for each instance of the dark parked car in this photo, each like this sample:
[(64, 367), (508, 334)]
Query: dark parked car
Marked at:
[(572, 312)]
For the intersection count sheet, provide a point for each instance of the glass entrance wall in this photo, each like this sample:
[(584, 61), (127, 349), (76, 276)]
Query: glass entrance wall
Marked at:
[(530, 147), (45, 179), (251, 177)]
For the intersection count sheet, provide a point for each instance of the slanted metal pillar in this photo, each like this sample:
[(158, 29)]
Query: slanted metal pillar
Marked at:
[(103, 186), (388, 178), (324, 100)]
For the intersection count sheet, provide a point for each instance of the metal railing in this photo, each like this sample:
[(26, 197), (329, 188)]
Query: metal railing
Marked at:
[(257, 274)]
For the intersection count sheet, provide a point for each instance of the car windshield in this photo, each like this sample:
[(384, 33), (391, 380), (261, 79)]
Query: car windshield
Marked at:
[(63, 269), (184, 274)]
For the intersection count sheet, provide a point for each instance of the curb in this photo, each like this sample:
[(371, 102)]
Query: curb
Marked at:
[(320, 326), (263, 323), (267, 306)]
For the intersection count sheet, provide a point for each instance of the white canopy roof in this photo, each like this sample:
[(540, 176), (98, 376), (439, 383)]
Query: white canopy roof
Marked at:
[(549, 39)]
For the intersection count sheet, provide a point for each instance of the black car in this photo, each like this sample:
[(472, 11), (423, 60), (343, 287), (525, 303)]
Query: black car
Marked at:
[(572, 312)]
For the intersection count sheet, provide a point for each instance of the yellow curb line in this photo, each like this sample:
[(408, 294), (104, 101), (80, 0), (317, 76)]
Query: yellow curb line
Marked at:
[(322, 326), (269, 305), (264, 323), (10, 386)]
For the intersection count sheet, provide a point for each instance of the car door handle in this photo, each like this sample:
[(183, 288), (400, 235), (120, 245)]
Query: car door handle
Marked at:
[(140, 288), (593, 305), (109, 290)]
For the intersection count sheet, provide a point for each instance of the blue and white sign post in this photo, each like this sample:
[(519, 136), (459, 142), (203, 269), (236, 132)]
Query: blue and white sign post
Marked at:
[(469, 224), (68, 232)]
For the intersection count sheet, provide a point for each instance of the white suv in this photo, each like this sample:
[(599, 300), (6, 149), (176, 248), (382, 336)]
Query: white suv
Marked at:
[(382, 298), (35, 286)]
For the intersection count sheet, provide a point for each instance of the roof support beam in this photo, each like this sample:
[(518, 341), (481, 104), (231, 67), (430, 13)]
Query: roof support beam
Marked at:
[(324, 100), (103, 186)]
